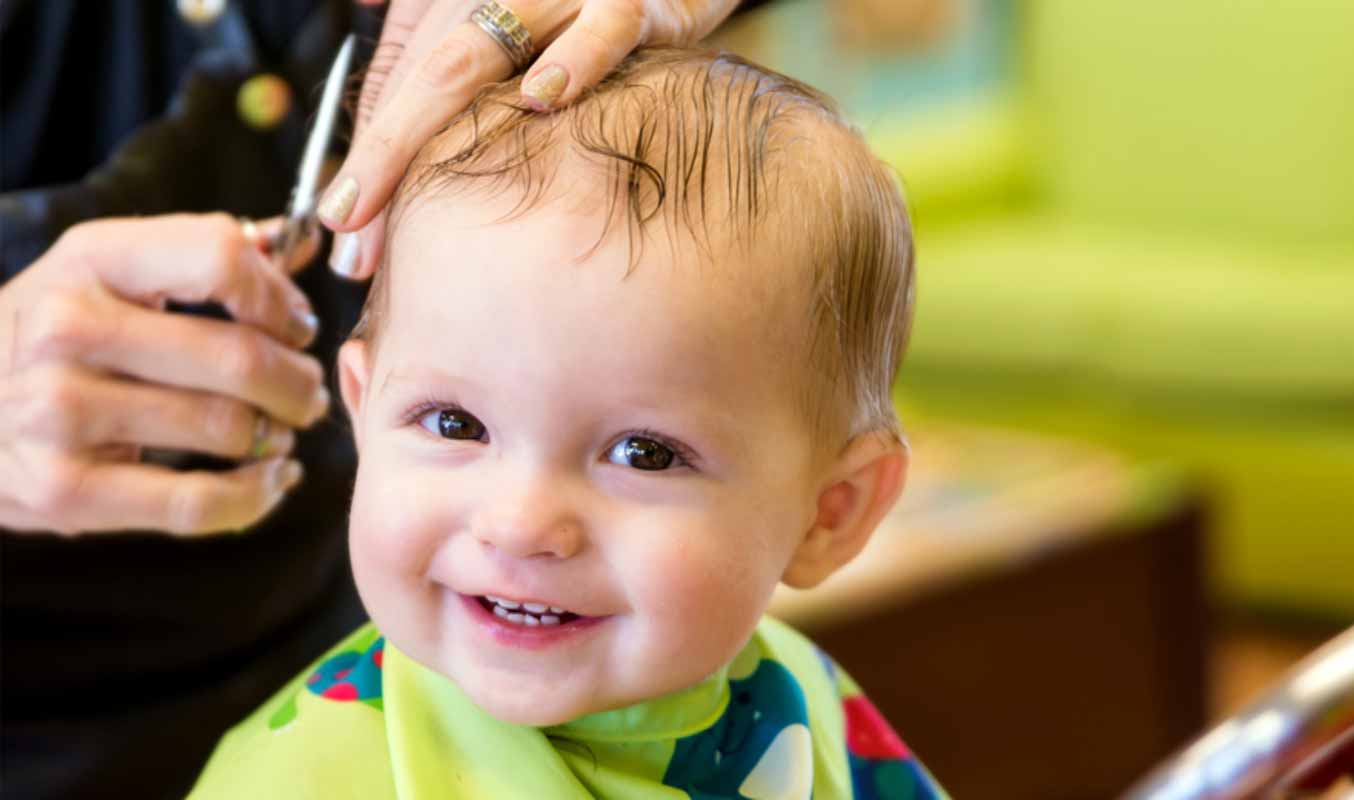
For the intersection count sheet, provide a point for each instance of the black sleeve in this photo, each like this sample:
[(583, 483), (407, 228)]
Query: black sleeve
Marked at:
[(87, 131)]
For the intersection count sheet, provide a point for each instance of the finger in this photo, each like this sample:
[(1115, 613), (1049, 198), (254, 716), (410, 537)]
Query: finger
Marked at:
[(604, 34), (410, 29), (402, 22), (449, 60), (196, 259), (269, 231), (440, 83), (144, 496), (216, 357), (357, 255), (84, 409)]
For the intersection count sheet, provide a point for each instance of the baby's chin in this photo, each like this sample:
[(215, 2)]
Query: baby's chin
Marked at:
[(537, 706)]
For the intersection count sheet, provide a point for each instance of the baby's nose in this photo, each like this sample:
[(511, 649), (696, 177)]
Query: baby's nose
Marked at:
[(536, 518)]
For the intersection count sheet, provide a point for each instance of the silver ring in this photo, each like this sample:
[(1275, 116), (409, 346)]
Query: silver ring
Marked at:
[(505, 28), (250, 230)]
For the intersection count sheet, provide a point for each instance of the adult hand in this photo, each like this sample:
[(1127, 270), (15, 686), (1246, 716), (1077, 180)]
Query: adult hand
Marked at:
[(432, 60), (92, 368)]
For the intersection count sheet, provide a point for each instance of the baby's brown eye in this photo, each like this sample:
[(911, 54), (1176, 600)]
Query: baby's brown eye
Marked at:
[(454, 423), (641, 453)]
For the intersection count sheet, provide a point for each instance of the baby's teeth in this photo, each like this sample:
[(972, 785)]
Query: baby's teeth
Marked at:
[(550, 619), (517, 618), (535, 608), (557, 609), (508, 604), (500, 611), (531, 621)]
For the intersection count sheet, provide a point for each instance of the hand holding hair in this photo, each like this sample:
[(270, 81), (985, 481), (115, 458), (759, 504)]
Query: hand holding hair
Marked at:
[(433, 58)]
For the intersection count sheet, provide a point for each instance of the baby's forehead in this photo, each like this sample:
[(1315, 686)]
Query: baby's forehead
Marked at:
[(568, 243), (529, 305)]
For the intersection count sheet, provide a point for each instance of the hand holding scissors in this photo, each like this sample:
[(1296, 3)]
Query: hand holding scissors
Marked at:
[(93, 370)]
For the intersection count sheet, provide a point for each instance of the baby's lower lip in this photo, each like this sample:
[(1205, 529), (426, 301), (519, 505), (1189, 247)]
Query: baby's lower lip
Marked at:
[(517, 633)]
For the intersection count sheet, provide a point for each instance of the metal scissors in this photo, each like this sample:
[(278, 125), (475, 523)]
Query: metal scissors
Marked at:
[(301, 220)]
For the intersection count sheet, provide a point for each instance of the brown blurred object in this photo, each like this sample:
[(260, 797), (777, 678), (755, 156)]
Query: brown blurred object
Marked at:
[(1251, 652), (1295, 740), (891, 25), (1341, 790)]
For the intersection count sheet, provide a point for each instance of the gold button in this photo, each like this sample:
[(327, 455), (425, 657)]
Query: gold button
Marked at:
[(201, 12), (263, 101)]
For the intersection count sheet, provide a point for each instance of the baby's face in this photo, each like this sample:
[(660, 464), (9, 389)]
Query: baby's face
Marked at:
[(622, 454)]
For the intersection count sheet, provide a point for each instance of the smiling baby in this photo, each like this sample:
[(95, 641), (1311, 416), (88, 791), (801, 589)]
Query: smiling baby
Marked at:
[(626, 368)]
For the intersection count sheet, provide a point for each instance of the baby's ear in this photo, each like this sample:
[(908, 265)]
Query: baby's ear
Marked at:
[(863, 485), (354, 371)]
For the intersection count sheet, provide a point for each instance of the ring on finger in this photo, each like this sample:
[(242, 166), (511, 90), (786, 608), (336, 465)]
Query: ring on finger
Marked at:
[(507, 31), (258, 446), (251, 231)]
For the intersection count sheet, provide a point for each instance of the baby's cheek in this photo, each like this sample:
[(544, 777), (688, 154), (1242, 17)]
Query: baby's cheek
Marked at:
[(707, 594), (393, 524)]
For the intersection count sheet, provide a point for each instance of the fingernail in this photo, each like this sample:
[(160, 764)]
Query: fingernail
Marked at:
[(541, 90), (338, 201), (344, 256), (303, 325), (289, 474), (319, 403), (279, 440)]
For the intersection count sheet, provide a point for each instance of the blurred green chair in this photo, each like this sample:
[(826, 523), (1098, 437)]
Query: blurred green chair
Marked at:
[(1149, 242)]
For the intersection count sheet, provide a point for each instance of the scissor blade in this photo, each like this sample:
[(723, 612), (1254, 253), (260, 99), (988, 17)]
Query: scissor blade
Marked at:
[(307, 182)]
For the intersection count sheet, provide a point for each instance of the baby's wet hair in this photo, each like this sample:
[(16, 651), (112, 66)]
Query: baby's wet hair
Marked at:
[(722, 154)]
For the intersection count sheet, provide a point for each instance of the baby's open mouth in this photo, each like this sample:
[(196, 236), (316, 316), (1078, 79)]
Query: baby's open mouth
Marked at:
[(527, 614)]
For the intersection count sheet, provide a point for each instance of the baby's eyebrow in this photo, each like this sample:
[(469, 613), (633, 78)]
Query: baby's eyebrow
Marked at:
[(391, 376), (404, 375)]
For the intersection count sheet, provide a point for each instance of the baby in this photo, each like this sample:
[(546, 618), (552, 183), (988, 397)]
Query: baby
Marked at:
[(627, 368)]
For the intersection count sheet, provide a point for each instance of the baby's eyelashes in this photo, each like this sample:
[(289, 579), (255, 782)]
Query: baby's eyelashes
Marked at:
[(641, 450), (647, 453), (454, 423)]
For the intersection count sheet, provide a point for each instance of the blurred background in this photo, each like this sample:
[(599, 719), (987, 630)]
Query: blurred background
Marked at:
[(1130, 388)]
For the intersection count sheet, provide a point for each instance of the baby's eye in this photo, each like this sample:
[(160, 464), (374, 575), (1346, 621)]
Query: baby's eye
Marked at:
[(641, 452), (454, 423)]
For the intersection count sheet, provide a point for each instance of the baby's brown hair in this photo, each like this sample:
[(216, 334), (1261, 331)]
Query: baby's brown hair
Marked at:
[(687, 137)]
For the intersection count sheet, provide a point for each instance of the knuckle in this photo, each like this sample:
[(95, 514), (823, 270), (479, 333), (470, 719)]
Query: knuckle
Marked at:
[(447, 65), (313, 372), (628, 9), (379, 139), (54, 489), (244, 358), (79, 241), (598, 40), (59, 324), (75, 240), (222, 226), (57, 404), (678, 26), (187, 506), (224, 251), (228, 422)]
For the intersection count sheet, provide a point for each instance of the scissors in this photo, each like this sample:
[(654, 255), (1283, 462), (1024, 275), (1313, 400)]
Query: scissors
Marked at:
[(301, 221)]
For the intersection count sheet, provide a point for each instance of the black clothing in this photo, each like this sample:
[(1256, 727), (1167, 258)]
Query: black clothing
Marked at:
[(126, 656)]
